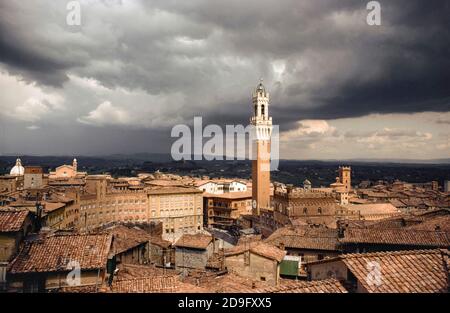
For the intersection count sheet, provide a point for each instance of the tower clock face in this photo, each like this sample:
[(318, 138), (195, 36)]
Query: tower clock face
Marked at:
[(254, 204)]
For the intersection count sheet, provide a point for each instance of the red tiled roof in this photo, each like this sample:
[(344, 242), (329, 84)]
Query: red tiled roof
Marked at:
[(268, 251), (197, 241), (259, 248), (126, 238), (53, 253), (305, 238), (12, 220), (319, 286), (397, 236), (160, 242), (53, 206), (223, 283), (150, 284), (422, 271), (439, 222)]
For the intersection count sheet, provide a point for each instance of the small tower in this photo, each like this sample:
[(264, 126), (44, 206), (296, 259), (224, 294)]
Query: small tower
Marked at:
[(345, 177), (75, 165), (262, 124)]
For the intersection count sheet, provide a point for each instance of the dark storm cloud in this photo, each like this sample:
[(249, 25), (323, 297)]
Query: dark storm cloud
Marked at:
[(211, 53)]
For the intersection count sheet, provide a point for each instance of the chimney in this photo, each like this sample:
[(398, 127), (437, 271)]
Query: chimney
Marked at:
[(341, 229), (289, 188)]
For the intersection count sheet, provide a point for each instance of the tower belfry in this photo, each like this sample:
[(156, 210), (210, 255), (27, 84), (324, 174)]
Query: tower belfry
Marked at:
[(262, 124)]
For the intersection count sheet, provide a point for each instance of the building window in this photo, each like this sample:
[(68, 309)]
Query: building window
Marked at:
[(262, 278), (305, 210), (319, 210)]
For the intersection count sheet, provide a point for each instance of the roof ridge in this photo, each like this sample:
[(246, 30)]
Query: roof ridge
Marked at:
[(385, 253), (400, 230)]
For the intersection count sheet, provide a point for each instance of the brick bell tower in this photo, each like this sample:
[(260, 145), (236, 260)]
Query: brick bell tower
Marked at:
[(345, 177), (262, 133)]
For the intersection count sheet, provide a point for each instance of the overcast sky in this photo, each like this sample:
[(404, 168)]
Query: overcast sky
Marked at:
[(120, 81)]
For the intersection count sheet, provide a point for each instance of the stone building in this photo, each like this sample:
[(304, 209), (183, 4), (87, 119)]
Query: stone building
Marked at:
[(15, 225), (193, 251), (46, 264), (257, 260), (220, 186), (130, 245), (310, 206), (161, 252), (180, 209), (10, 184), (33, 177), (223, 211), (67, 171), (306, 242)]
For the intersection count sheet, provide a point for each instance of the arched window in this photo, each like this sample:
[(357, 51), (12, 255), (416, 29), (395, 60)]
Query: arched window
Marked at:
[(319, 210), (305, 210), (262, 110), (256, 110)]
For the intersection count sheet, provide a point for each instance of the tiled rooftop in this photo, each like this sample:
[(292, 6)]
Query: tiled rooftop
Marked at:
[(319, 286), (319, 238), (197, 241), (53, 253), (126, 238), (441, 223), (259, 248), (422, 271), (156, 284), (397, 237), (12, 220)]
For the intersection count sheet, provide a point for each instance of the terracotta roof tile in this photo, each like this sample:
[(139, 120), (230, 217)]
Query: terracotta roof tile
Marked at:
[(12, 220), (126, 238), (196, 241), (156, 284), (422, 271), (260, 248), (53, 253), (397, 237), (319, 238), (268, 251), (439, 222), (319, 286)]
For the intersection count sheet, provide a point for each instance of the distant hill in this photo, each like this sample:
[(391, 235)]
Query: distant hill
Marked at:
[(377, 161)]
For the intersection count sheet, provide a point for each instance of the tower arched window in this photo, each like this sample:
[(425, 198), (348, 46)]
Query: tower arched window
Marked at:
[(256, 110), (262, 110), (305, 210), (319, 210)]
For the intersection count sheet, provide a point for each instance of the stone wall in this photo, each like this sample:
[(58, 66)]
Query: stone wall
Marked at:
[(258, 267)]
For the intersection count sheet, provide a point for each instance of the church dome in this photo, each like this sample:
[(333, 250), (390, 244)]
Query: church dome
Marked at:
[(18, 169)]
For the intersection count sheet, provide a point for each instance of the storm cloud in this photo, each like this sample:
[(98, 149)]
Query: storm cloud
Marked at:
[(148, 65)]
